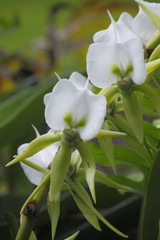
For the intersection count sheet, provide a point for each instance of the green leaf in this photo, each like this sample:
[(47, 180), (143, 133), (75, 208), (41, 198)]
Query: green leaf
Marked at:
[(154, 17), (73, 236), (151, 208), (89, 165), (54, 212), (59, 168), (133, 113)]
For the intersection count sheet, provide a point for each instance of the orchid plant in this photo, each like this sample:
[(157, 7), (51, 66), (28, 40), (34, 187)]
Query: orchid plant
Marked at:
[(80, 109)]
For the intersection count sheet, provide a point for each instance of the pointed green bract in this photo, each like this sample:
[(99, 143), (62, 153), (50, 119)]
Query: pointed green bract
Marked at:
[(155, 19), (151, 209), (133, 113), (107, 147), (81, 192), (152, 66), (37, 145), (54, 212), (32, 236), (73, 236), (123, 125), (87, 213), (102, 178), (109, 134), (59, 168), (89, 165), (151, 94), (155, 54), (154, 41)]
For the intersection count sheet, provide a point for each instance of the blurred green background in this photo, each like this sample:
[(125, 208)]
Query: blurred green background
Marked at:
[(38, 38)]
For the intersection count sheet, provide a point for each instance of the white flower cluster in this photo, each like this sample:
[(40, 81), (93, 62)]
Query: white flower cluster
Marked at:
[(116, 54)]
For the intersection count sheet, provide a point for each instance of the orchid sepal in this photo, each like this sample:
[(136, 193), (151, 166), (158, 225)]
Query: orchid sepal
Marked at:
[(155, 18), (73, 236), (107, 133), (133, 113), (53, 208), (152, 66), (151, 94), (33, 165), (80, 191), (37, 145), (102, 178), (89, 165), (155, 54), (106, 145), (87, 213), (59, 167)]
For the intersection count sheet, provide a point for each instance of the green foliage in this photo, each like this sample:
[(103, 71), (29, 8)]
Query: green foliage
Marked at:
[(151, 209)]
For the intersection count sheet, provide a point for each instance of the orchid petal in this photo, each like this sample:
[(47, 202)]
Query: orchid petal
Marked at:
[(132, 53), (79, 104), (95, 116), (33, 175), (46, 98), (78, 80), (43, 158), (122, 28), (100, 59), (61, 102), (143, 27)]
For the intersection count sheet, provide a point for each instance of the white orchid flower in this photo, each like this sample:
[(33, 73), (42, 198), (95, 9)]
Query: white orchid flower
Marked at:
[(142, 24), (72, 105), (122, 27), (42, 159), (116, 55)]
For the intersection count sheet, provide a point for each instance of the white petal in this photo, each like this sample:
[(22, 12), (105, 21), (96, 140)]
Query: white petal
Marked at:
[(132, 53), (42, 159), (78, 79), (122, 29), (46, 98), (59, 104), (81, 103), (100, 59), (143, 27), (96, 106)]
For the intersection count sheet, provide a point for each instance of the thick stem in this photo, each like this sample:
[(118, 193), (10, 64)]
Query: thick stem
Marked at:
[(31, 211)]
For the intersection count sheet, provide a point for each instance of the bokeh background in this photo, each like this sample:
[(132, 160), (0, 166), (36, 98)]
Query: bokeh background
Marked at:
[(37, 39)]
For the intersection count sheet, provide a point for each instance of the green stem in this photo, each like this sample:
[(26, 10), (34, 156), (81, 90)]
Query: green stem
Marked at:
[(29, 217), (33, 165)]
